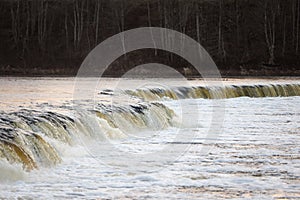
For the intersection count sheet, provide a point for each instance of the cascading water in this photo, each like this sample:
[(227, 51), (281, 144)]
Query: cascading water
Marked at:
[(231, 91), (22, 133), (105, 145), (26, 136)]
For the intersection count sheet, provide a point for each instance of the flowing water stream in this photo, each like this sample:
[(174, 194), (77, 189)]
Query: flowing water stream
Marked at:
[(142, 140)]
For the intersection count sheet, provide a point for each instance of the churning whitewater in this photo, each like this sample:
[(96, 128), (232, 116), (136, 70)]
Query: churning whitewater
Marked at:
[(23, 132), (42, 132)]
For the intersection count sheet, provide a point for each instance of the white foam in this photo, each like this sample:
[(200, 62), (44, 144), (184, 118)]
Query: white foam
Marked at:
[(11, 172)]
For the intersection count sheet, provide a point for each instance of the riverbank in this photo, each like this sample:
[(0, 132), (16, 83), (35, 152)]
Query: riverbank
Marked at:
[(71, 72)]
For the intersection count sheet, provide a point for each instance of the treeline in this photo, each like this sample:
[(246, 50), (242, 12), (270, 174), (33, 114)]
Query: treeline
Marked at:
[(243, 36)]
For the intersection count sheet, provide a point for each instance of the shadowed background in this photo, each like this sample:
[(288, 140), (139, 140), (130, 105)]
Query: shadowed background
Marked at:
[(244, 37)]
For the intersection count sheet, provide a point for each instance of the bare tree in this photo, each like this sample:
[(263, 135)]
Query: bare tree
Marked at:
[(97, 20), (237, 23), (42, 23), (284, 31), (15, 21), (297, 25), (221, 47), (270, 15), (78, 20)]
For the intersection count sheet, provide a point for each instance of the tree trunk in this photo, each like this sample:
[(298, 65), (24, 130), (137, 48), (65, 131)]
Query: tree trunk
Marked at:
[(237, 22), (297, 27), (221, 48), (270, 30), (150, 25), (283, 34), (198, 27), (97, 21), (67, 32), (42, 23), (78, 13), (15, 22)]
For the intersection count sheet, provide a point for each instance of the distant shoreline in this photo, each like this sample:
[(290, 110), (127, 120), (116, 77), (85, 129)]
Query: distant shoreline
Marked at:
[(227, 78), (114, 74)]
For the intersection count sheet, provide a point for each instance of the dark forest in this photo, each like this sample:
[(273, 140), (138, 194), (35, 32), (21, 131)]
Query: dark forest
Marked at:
[(244, 37)]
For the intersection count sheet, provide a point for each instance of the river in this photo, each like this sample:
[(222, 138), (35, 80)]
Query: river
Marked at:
[(149, 139)]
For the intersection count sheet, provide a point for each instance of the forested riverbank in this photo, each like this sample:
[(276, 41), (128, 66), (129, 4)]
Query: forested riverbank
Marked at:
[(244, 37)]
